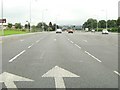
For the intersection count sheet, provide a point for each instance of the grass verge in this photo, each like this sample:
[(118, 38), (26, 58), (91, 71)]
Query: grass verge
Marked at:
[(12, 32)]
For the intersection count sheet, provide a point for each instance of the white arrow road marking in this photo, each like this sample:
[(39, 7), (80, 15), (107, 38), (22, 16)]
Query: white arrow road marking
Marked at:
[(17, 56), (9, 79), (58, 74)]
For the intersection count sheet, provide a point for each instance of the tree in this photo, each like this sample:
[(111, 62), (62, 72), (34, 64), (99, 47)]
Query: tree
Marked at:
[(90, 23), (112, 23), (42, 25), (18, 25), (39, 25), (9, 25), (102, 24), (50, 24)]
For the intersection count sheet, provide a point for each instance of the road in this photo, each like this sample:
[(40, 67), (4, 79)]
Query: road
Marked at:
[(50, 60)]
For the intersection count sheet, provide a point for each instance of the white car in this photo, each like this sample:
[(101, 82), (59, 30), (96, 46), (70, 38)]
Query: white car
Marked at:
[(105, 31), (92, 30), (58, 31)]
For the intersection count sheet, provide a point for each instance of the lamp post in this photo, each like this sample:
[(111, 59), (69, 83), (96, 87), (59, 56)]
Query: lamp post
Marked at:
[(30, 15), (43, 18), (106, 18), (2, 17)]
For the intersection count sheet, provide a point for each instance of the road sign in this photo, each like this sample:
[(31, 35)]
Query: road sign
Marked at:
[(9, 79), (58, 73), (2, 20)]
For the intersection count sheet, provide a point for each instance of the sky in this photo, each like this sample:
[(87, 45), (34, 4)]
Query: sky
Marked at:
[(62, 12)]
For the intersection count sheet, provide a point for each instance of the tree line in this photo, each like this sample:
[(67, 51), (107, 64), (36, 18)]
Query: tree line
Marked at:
[(112, 25), (39, 27)]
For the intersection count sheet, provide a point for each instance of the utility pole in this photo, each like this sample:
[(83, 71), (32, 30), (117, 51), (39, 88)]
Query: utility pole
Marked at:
[(30, 16), (2, 16)]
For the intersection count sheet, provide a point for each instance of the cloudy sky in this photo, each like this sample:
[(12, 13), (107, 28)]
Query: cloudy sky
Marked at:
[(59, 11)]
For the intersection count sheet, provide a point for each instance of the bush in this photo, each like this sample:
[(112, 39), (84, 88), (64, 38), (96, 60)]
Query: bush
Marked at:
[(100, 29), (114, 29)]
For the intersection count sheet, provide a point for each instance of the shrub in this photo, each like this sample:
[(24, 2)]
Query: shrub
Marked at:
[(114, 30)]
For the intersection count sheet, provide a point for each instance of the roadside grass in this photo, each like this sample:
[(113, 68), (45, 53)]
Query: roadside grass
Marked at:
[(12, 32)]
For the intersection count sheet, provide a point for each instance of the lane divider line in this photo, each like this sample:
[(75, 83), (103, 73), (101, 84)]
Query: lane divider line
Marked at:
[(71, 41), (93, 56), (77, 46), (17, 56), (117, 73), (85, 40), (30, 46), (22, 40), (37, 41)]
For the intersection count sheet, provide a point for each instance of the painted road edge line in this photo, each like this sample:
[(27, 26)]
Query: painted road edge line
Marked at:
[(17, 56), (77, 46), (117, 73), (93, 56)]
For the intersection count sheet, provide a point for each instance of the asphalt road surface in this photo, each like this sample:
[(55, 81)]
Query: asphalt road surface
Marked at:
[(50, 60)]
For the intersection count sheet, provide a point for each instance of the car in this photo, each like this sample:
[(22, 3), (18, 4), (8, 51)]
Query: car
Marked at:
[(58, 31), (93, 30), (70, 31), (105, 31)]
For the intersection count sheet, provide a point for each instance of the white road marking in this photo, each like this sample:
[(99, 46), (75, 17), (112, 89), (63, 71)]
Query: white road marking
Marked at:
[(17, 56), (37, 41), (9, 79), (22, 40), (77, 46), (93, 56), (58, 74), (85, 40), (42, 55), (30, 46), (71, 41), (68, 39), (117, 73), (54, 39)]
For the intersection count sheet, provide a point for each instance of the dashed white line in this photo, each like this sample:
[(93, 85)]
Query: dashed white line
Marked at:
[(117, 73), (93, 56), (54, 39), (71, 41), (85, 40), (22, 40), (30, 46), (17, 56), (37, 41), (77, 46), (68, 39)]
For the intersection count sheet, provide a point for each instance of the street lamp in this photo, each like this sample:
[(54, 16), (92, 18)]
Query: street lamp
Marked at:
[(30, 16), (106, 18), (43, 18), (2, 16)]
